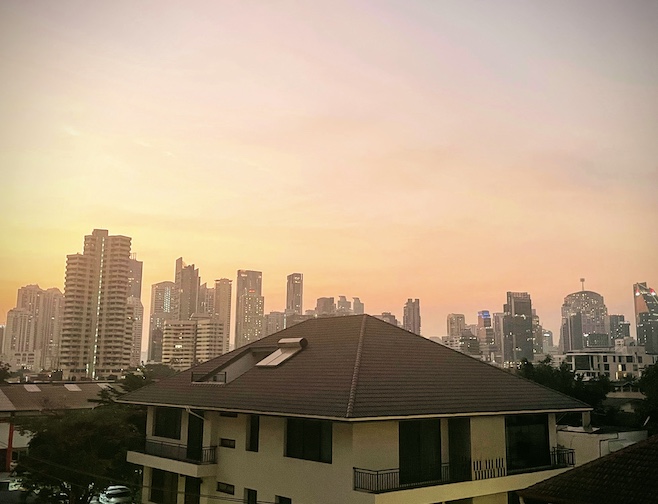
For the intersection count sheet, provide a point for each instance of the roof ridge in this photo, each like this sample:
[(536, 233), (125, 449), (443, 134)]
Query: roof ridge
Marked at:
[(357, 366)]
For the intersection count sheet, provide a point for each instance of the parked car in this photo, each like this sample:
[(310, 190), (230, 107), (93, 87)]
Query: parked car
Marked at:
[(116, 494)]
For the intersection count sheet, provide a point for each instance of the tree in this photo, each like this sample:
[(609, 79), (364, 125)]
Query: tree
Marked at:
[(562, 379), (149, 373), (649, 387), (79, 452), (4, 371)]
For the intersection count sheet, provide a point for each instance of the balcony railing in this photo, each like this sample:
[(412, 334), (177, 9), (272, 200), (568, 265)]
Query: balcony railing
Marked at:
[(388, 480), (206, 455), (563, 457)]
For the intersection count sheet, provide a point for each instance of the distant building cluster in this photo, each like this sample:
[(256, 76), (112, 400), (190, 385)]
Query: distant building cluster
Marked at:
[(93, 330)]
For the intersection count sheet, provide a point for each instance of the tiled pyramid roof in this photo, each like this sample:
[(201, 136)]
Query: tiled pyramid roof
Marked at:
[(358, 367)]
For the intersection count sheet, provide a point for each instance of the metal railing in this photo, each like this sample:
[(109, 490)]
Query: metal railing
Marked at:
[(206, 455), (388, 480), (563, 457)]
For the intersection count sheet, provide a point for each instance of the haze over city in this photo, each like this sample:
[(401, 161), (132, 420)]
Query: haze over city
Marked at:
[(446, 151)]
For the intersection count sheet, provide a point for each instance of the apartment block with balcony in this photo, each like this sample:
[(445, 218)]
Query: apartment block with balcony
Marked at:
[(332, 410)]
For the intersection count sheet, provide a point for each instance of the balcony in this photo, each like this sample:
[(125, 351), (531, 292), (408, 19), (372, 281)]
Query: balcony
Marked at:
[(388, 480), (176, 457)]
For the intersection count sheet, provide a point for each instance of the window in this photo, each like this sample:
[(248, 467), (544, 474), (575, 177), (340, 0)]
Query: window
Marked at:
[(629, 358), (225, 488), (308, 439), (250, 496), (606, 367), (167, 422), (253, 428), (282, 500), (228, 414), (164, 487), (227, 443), (527, 442), (192, 490), (639, 359), (605, 358)]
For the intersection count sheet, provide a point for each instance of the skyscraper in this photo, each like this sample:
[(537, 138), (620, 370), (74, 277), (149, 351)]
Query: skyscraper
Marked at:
[(325, 307), (223, 303), (646, 316), (162, 310), (485, 334), (97, 329), (618, 328), (343, 306), (517, 328), (295, 294), (411, 316), (274, 322), (249, 307), (583, 312), (456, 323), (186, 300), (34, 328), (136, 308), (357, 306)]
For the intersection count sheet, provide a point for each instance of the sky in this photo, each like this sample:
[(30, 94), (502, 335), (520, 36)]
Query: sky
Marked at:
[(444, 150)]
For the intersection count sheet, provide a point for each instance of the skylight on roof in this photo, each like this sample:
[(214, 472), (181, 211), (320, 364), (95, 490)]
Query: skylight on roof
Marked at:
[(72, 387), (287, 348), (32, 388)]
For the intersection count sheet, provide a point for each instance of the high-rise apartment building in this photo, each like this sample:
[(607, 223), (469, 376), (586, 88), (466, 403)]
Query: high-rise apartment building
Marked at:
[(295, 294), (388, 317), (274, 322), (186, 299), (343, 306), (34, 328), (136, 308), (517, 328), (97, 331), (646, 316), (485, 335), (411, 316), (179, 344), (162, 311), (357, 306), (456, 323), (325, 307), (223, 302), (583, 313), (618, 328), (249, 307)]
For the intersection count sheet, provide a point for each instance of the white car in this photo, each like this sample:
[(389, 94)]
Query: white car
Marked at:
[(116, 494)]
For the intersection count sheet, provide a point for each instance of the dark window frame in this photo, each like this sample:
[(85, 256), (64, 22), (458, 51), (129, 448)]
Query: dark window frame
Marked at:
[(227, 443), (253, 433), (250, 496), (226, 488), (167, 422), (527, 441), (308, 439)]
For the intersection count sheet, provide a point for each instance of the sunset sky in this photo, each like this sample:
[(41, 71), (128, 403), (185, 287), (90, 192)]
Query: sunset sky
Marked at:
[(442, 150)]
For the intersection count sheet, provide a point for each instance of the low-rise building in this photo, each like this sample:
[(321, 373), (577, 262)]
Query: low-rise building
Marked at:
[(626, 360), (350, 410)]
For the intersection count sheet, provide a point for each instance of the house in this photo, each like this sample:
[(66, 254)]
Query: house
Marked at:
[(30, 399), (347, 410), (629, 475)]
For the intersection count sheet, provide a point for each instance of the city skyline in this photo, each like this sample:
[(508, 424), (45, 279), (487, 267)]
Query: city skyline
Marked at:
[(446, 151), (398, 311)]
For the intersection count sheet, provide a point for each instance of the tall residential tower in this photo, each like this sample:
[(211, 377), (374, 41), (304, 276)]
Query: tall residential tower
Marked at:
[(249, 307), (97, 333)]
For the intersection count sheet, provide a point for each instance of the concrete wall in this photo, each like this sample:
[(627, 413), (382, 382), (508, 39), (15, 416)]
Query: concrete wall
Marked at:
[(589, 444)]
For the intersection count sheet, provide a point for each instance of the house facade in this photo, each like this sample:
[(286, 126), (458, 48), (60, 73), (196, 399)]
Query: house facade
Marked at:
[(350, 410)]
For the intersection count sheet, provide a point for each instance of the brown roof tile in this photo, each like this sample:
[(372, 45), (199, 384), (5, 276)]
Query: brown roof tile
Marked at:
[(629, 476), (359, 367)]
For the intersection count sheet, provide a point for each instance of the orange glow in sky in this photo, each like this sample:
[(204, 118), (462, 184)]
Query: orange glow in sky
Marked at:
[(442, 150)]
